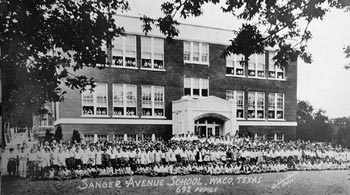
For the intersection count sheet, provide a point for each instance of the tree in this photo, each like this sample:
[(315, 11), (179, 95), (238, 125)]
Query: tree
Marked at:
[(43, 44), (341, 127), (58, 133), (267, 23), (48, 136), (314, 126), (76, 136)]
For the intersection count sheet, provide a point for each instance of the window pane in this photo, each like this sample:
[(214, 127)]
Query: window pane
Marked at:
[(195, 83), (251, 100), (240, 99), (261, 100), (205, 52), (195, 51), (271, 101), (187, 83), (230, 61), (146, 97), (229, 94), (187, 50), (279, 101), (131, 95), (118, 95), (158, 48), (158, 97), (146, 47), (130, 45)]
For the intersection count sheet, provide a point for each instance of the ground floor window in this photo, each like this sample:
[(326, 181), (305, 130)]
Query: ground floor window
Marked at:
[(89, 137), (147, 136), (131, 137), (101, 138), (152, 101)]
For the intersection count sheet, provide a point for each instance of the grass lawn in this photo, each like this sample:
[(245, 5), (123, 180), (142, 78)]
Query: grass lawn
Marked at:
[(302, 182)]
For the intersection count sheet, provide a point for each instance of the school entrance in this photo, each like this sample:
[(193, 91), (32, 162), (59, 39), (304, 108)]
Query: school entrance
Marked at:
[(206, 127), (204, 116)]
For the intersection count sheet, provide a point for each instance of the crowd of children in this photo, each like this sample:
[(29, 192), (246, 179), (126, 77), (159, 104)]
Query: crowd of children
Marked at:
[(181, 155)]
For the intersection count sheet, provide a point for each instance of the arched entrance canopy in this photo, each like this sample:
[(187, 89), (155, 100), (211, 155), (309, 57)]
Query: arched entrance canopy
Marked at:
[(212, 115)]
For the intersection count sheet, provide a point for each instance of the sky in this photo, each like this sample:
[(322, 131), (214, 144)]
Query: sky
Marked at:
[(324, 83)]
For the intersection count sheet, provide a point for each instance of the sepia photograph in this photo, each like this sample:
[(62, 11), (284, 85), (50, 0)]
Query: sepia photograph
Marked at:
[(185, 97)]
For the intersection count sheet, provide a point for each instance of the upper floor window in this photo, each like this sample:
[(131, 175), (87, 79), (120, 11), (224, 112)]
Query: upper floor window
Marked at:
[(95, 103), (152, 101), (235, 65), (275, 71), (239, 96), (124, 51), (195, 52), (276, 106), (124, 100), (256, 105), (256, 65), (152, 53), (196, 87)]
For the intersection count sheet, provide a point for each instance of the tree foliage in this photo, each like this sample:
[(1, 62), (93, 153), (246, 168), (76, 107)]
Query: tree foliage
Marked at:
[(314, 126), (278, 20), (76, 136), (341, 127), (42, 41), (58, 133)]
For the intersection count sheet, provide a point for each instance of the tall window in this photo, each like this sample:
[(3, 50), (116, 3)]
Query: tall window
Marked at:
[(196, 87), (235, 65), (95, 103), (153, 101), (239, 95), (124, 51), (256, 65), (124, 100), (196, 52), (256, 105), (152, 53), (275, 71), (276, 106)]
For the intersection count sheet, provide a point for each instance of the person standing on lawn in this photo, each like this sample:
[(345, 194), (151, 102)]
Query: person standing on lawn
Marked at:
[(23, 158)]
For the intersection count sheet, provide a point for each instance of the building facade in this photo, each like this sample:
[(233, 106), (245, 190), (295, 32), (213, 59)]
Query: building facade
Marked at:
[(156, 89)]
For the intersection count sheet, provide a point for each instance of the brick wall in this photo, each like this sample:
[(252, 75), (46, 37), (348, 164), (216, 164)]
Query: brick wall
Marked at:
[(103, 129), (289, 132), (172, 79)]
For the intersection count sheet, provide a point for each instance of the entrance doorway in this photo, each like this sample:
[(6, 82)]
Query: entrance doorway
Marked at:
[(208, 127)]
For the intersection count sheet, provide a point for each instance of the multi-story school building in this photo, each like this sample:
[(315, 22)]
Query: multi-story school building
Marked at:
[(154, 88)]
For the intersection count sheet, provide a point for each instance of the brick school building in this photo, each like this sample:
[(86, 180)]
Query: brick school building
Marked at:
[(152, 88)]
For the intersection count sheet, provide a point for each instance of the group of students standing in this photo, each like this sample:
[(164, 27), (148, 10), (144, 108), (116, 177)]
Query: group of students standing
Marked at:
[(180, 155)]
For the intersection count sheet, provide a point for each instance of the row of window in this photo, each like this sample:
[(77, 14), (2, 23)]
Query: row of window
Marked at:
[(124, 52), (256, 104), (272, 137), (256, 66), (124, 100), (119, 137), (152, 57)]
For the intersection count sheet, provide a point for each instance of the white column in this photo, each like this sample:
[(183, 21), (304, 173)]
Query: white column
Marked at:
[(125, 137), (187, 117), (275, 136), (95, 138), (233, 119), (153, 137)]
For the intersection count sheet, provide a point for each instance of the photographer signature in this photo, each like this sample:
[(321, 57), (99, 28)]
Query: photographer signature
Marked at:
[(284, 181)]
